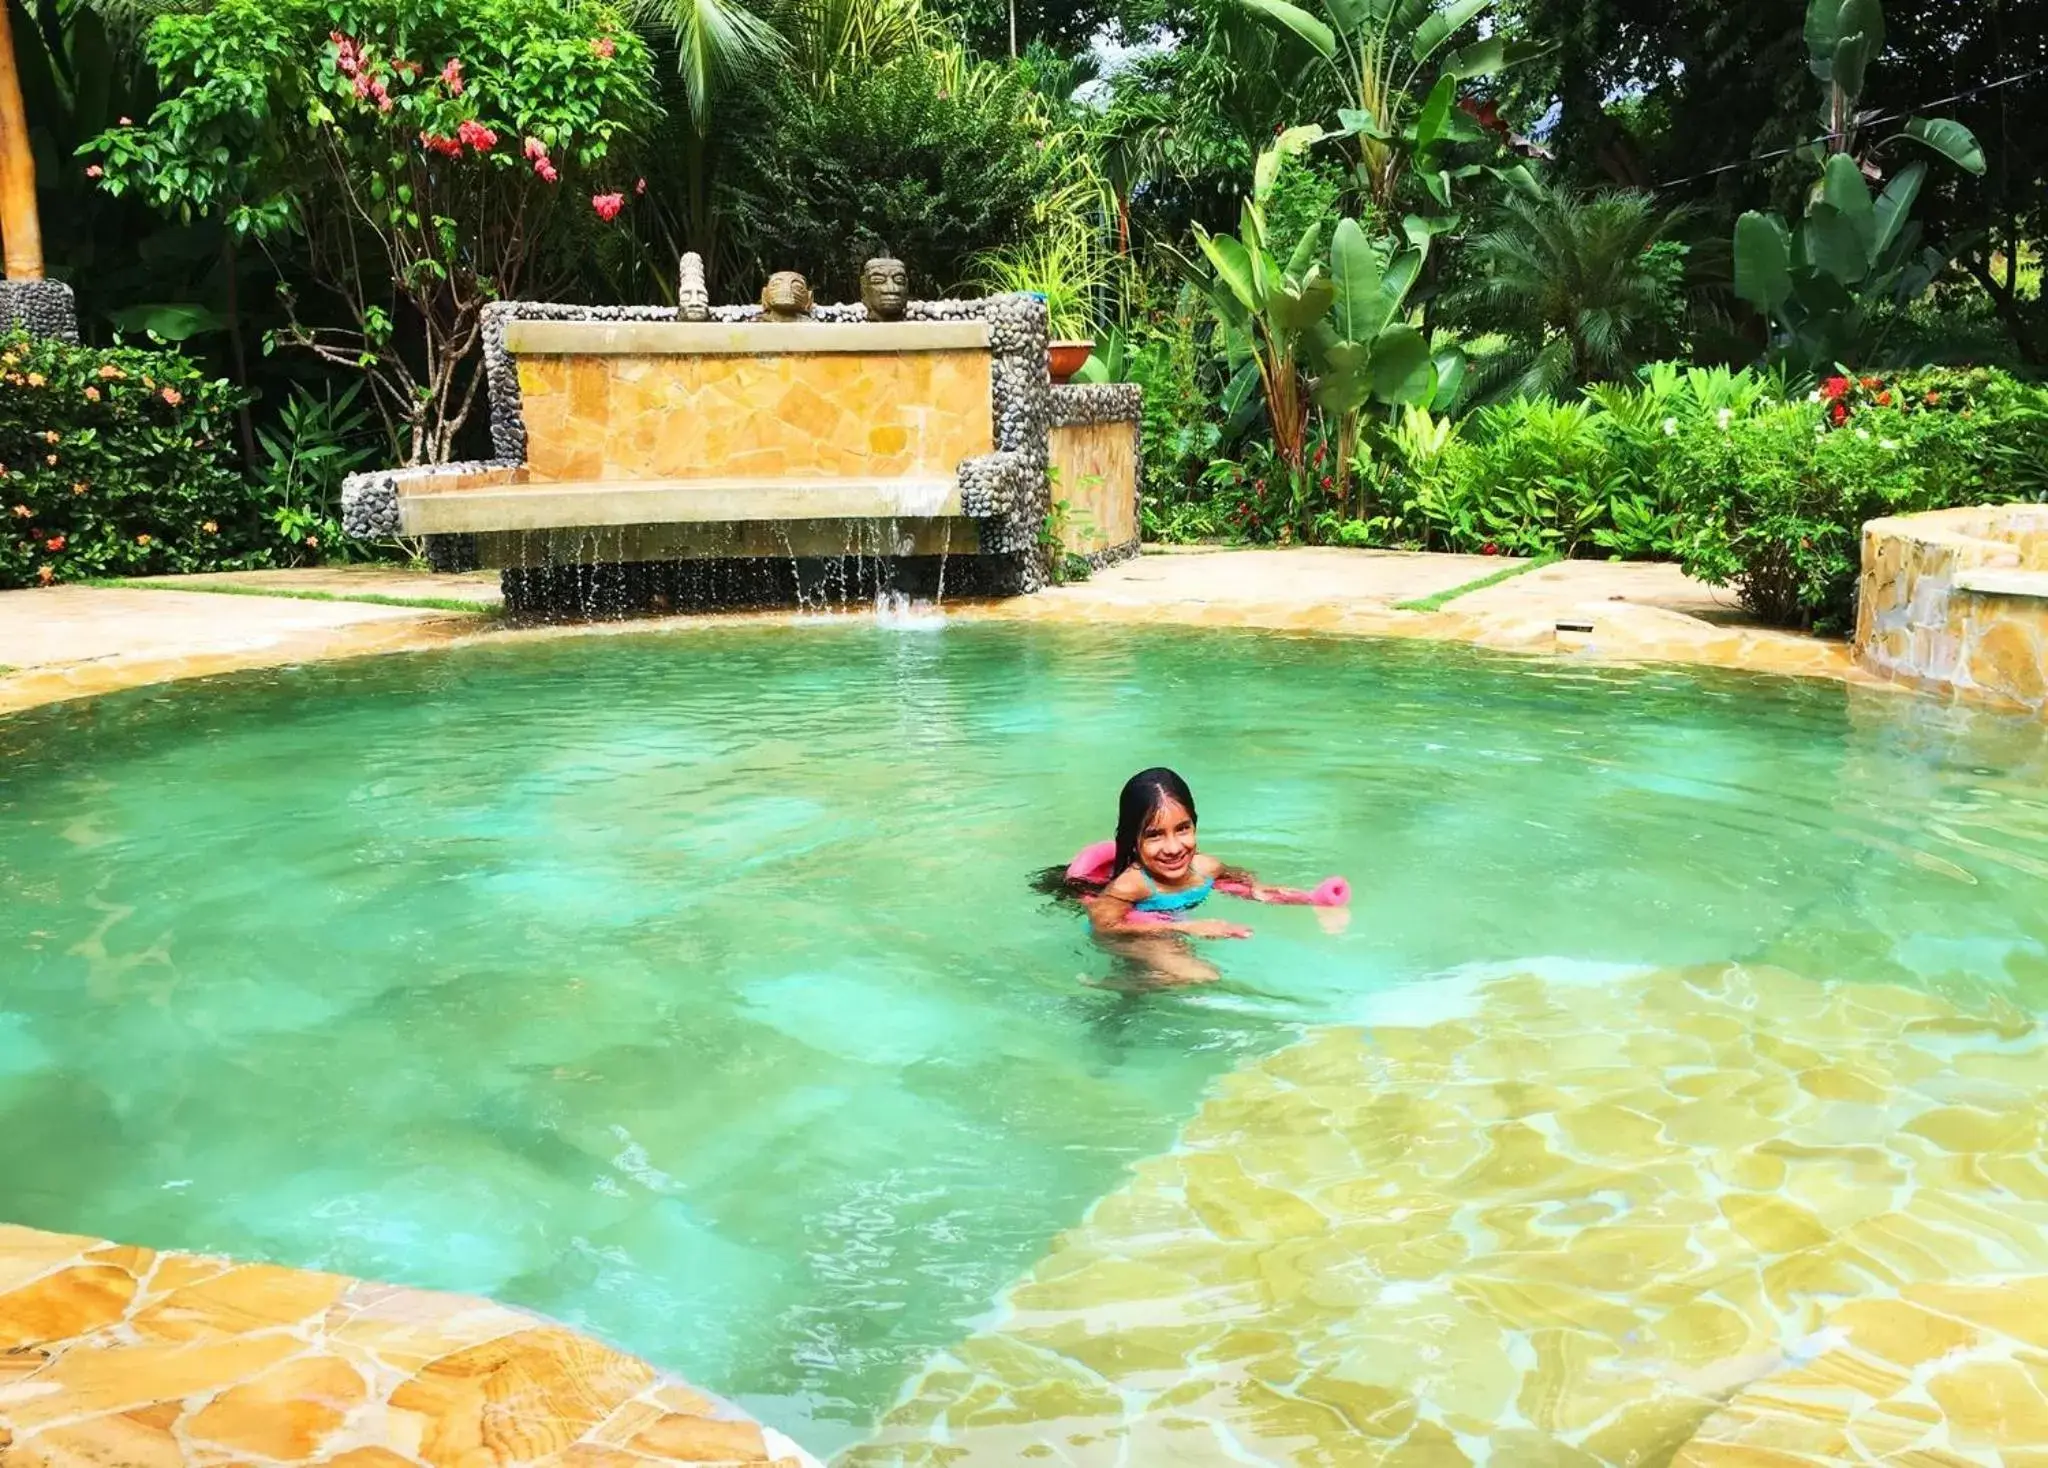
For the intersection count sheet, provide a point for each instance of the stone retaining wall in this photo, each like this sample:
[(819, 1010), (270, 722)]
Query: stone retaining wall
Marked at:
[(1956, 601)]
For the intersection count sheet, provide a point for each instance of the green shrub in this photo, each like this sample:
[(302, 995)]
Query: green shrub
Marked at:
[(114, 464), (1775, 505)]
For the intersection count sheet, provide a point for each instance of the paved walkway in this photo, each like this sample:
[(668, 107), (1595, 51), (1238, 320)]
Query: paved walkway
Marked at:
[(74, 641)]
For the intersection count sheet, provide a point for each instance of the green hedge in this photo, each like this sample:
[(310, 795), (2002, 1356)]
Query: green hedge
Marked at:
[(113, 462)]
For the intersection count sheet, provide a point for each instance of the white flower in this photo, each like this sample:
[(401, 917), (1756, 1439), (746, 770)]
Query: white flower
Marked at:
[(1863, 433), (1670, 427), (1814, 396), (1888, 443), (1721, 418)]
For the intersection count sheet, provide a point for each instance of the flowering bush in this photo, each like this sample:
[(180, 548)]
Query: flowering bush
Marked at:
[(1775, 504), (432, 157), (112, 463)]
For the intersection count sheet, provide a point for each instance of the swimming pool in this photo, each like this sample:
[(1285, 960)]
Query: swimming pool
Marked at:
[(687, 987)]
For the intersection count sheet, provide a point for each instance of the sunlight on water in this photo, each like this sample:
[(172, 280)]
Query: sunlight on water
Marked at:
[(688, 987)]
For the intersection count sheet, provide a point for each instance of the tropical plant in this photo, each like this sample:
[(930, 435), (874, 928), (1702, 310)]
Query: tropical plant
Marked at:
[(1821, 278), (931, 158), (1584, 289), (1387, 54), (1268, 306), (318, 440), (1066, 266), (1365, 350), (426, 156)]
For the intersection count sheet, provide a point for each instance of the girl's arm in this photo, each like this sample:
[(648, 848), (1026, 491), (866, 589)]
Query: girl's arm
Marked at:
[(1236, 880), (1110, 915)]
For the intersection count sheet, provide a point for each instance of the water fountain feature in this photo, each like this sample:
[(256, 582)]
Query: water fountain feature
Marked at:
[(653, 458)]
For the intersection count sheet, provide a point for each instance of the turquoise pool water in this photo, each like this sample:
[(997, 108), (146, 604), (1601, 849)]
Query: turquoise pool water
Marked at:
[(687, 987)]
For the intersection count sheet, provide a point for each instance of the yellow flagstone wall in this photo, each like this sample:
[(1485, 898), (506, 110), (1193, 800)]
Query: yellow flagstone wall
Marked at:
[(1957, 601), (1096, 474), (827, 415)]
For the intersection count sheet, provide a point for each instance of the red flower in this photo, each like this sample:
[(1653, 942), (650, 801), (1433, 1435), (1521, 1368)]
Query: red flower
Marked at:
[(451, 77), (1869, 383), (1326, 481), (607, 205), (536, 149), (54, 543), (477, 136), (1884, 400), (172, 396), (546, 170), (604, 46), (1931, 399), (447, 147), (1834, 388), (1840, 413), (1489, 549)]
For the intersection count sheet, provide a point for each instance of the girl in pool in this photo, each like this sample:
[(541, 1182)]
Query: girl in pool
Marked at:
[(1158, 870)]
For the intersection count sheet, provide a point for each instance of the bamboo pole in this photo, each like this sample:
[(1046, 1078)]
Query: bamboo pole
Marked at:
[(20, 226)]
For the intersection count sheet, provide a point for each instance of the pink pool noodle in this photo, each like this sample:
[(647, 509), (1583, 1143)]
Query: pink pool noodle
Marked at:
[(1092, 865)]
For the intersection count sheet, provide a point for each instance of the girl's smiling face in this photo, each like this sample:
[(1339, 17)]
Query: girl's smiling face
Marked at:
[(1166, 845)]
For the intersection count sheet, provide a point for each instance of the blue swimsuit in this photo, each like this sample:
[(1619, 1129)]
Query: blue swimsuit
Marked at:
[(1159, 901)]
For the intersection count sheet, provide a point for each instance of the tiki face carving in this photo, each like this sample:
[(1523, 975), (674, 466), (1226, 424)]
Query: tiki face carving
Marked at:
[(786, 297), (885, 288)]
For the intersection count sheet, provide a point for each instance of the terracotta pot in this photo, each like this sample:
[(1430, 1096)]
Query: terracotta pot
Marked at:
[(1064, 359)]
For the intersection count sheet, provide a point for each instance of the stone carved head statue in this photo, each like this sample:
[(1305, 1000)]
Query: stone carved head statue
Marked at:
[(693, 300), (786, 297), (885, 288)]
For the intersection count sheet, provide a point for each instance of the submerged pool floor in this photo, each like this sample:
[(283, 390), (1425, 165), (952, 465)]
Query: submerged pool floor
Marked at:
[(688, 989)]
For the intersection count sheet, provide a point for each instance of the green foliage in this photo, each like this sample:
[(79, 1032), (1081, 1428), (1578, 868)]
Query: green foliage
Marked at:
[(938, 169), (1585, 289), (426, 157), (316, 443), (114, 465), (1067, 266), (1822, 278)]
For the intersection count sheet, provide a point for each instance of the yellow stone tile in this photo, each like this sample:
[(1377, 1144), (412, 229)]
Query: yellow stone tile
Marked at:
[(1991, 1404), (1772, 1224), (86, 1381), (1898, 1332), (71, 1302), (286, 1413), (1969, 1129), (2016, 1307)]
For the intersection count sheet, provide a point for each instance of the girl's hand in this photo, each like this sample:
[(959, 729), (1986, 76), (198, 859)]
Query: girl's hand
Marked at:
[(1212, 928)]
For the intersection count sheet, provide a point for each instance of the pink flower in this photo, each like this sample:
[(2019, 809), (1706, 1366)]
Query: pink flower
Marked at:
[(477, 136), (92, 395), (95, 171), (451, 77), (536, 149), (363, 81), (607, 205), (639, 185), (127, 122), (172, 396), (546, 170), (604, 46)]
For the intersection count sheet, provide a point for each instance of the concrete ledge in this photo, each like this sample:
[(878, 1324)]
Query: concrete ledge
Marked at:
[(1989, 581), (745, 540), (739, 339), (586, 503)]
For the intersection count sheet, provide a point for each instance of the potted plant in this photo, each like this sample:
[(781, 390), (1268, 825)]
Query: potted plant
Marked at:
[(1065, 269)]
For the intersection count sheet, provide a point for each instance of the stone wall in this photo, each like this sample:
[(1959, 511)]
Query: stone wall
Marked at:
[(1956, 601), (1096, 461)]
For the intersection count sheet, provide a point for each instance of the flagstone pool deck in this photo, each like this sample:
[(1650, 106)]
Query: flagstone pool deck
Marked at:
[(78, 641)]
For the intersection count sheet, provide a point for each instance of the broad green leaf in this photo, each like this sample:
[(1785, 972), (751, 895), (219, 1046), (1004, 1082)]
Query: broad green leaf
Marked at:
[(1300, 22), (1402, 371), (173, 323), (1950, 139), (1481, 58), (1400, 279), (1420, 229), (1356, 272), (1450, 379), (1763, 260), (1843, 187), (1232, 264), (1852, 55), (1442, 24), (1429, 123), (1349, 14), (1305, 252), (1352, 121), (1267, 169), (1520, 179), (1833, 246), (1895, 204), (1298, 310)]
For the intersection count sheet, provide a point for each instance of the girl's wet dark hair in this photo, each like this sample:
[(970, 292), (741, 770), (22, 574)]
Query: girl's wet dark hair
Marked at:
[(1141, 796), (1143, 793)]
